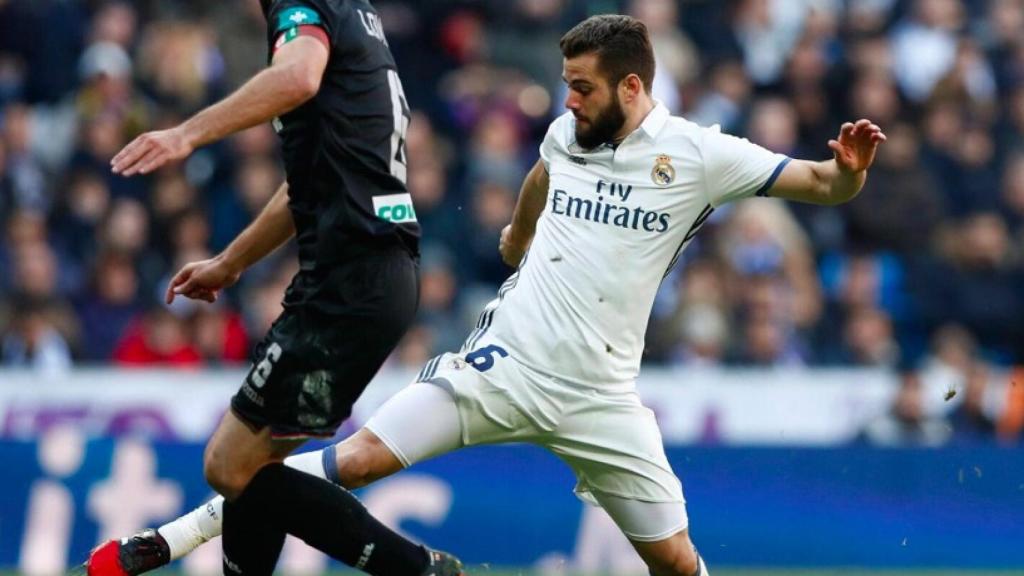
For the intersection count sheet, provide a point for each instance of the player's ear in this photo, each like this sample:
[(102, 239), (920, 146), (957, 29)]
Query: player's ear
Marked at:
[(632, 86)]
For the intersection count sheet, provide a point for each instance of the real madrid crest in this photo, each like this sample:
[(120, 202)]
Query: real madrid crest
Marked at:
[(663, 173)]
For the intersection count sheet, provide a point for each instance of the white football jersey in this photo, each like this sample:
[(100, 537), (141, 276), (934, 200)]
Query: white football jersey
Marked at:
[(615, 222)]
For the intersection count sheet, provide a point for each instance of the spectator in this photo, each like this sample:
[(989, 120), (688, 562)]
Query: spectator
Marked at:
[(34, 342), (907, 424), (1013, 204), (157, 338), (27, 179), (947, 367), (705, 336), (677, 62), (723, 101), (766, 343), (768, 31), (108, 306), (869, 340), (972, 422), (976, 284), (899, 186), (81, 209), (37, 281), (180, 63), (925, 45), (937, 236), (219, 334), (763, 240)]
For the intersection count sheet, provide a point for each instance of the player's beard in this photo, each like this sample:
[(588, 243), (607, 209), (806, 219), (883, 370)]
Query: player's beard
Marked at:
[(602, 127)]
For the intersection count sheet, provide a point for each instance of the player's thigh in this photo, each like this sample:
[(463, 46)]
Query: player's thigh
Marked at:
[(650, 526), (323, 350), (453, 403), (419, 422), (613, 444), (237, 451)]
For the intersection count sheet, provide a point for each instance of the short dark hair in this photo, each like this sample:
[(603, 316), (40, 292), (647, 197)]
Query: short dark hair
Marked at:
[(622, 45)]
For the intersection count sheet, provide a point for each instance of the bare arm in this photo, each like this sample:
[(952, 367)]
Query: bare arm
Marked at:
[(204, 279), (271, 228), (834, 181), (292, 79), (516, 237)]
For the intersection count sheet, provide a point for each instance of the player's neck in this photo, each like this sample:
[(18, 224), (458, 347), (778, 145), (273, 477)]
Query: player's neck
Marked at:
[(635, 116)]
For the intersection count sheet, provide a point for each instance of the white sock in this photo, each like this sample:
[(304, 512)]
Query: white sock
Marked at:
[(195, 528), (206, 522), (308, 462), (703, 567)]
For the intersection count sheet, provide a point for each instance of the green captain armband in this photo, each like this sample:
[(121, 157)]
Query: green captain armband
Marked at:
[(295, 17)]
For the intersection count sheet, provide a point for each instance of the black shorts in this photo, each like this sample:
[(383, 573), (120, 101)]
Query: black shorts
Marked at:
[(337, 330)]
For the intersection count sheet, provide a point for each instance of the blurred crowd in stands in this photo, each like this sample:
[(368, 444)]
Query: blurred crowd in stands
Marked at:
[(924, 271)]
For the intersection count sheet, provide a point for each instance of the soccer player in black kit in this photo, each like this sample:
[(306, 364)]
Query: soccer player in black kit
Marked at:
[(335, 99)]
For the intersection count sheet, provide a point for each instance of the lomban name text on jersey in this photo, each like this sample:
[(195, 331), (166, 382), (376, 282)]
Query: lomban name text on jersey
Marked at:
[(604, 211), (373, 24)]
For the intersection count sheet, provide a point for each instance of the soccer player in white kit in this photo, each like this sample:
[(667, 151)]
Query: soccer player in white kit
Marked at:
[(620, 190)]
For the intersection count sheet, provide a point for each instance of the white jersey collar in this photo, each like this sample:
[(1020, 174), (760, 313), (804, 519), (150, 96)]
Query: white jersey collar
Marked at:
[(655, 120)]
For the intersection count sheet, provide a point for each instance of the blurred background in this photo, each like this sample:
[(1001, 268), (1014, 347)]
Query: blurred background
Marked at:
[(837, 386)]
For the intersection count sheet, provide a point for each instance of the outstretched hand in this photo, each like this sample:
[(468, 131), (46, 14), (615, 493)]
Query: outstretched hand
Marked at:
[(151, 151), (855, 149), (202, 280)]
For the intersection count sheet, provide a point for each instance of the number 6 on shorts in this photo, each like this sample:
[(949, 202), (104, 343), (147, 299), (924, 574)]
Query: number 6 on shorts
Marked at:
[(483, 359)]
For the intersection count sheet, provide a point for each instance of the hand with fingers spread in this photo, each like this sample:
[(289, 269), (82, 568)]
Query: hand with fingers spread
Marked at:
[(151, 151), (855, 149), (202, 280)]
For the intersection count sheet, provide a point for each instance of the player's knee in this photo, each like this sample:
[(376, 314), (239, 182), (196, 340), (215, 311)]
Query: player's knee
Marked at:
[(221, 476)]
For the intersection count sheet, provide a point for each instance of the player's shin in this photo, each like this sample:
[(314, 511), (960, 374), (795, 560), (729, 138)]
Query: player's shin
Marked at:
[(331, 520), (251, 545), (190, 531), (702, 569)]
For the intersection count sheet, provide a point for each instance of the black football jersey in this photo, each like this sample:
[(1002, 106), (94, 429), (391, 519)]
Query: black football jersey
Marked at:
[(344, 150)]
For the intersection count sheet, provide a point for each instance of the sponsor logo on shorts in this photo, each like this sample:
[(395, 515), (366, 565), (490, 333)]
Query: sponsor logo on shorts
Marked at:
[(365, 557), (252, 395), (395, 208)]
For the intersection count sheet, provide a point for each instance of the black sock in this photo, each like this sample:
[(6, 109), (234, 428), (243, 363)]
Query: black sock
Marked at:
[(251, 545), (330, 519)]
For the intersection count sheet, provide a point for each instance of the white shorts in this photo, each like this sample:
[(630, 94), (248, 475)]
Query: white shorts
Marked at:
[(609, 439)]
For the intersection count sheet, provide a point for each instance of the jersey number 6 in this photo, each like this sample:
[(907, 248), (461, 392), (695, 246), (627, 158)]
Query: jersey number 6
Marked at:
[(483, 359), (262, 370)]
